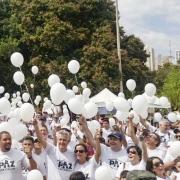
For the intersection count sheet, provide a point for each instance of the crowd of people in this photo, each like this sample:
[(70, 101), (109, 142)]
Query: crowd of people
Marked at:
[(74, 153)]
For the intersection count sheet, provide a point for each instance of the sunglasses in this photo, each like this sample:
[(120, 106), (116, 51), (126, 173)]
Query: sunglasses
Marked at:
[(151, 136), (80, 151), (131, 152), (177, 136), (157, 164)]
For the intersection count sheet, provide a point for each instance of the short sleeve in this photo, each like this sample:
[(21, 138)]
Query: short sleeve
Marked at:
[(50, 149), (25, 162), (41, 168)]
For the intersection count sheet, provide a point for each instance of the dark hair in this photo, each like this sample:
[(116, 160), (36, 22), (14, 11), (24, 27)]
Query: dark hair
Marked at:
[(85, 149), (123, 174), (77, 176), (137, 148), (28, 138), (145, 132), (106, 120), (149, 164), (115, 127), (158, 138), (30, 132), (4, 132), (177, 160), (44, 127)]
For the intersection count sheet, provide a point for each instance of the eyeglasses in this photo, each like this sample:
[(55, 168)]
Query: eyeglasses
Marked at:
[(157, 164), (80, 151), (177, 136), (151, 136), (131, 152)]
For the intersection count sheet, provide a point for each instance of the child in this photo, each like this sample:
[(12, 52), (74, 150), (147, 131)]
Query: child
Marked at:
[(123, 175)]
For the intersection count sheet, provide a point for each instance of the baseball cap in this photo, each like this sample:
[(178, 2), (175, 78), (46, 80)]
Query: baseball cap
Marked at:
[(66, 128), (176, 131), (43, 118), (116, 134)]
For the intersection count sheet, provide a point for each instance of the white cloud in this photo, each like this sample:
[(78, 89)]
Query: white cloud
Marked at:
[(135, 15)]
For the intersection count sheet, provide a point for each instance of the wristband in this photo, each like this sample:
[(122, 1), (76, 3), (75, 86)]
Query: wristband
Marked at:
[(141, 138)]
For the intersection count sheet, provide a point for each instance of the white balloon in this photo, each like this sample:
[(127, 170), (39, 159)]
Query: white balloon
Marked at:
[(174, 149), (103, 173), (16, 114), (152, 99), (144, 114), (65, 111), (111, 122), (5, 106), (84, 85), (131, 84), (10, 115), (4, 126), (7, 95), (130, 102), (121, 116), (96, 124), (32, 85), (109, 106), (38, 98), (64, 122), (163, 101), (47, 104), (15, 144), (25, 97), (73, 66), (75, 89), (13, 122), (58, 93), (1, 89), (74, 125), (69, 94), (14, 95), (136, 118), (75, 105), (91, 127), (34, 175), (172, 117), (80, 97), (27, 112), (64, 106), (18, 78), (66, 116), (139, 104), (18, 98), (121, 94), (18, 93), (36, 102), (53, 79), (150, 89), (86, 92), (19, 132), (34, 70), (157, 116), (17, 59), (91, 110), (121, 104)]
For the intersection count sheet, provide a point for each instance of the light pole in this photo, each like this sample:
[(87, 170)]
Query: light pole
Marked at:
[(118, 46)]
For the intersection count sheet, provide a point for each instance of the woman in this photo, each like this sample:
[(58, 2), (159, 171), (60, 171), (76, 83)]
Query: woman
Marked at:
[(136, 160), (84, 164), (155, 165)]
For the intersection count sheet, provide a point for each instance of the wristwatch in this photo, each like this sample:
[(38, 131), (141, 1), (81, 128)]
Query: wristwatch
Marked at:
[(77, 137)]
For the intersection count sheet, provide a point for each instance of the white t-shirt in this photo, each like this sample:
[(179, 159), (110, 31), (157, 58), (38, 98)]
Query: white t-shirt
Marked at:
[(88, 168), (40, 166), (71, 145), (166, 178), (156, 152), (105, 133), (128, 166), (60, 165), (11, 163), (112, 159), (175, 174)]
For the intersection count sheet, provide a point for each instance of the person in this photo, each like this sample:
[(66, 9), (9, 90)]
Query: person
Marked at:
[(12, 160), (106, 130), (155, 165), (123, 175), (61, 161), (109, 155), (28, 142), (175, 175), (77, 176), (84, 163)]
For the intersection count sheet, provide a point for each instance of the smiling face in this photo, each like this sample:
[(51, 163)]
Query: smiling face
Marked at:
[(115, 143), (133, 156), (178, 166), (80, 153), (5, 142), (62, 142), (157, 166)]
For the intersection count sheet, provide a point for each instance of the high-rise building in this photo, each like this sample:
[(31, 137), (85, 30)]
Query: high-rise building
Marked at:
[(151, 63), (161, 60), (177, 55)]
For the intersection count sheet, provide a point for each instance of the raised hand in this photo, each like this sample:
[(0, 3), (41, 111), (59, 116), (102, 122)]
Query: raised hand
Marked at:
[(34, 122)]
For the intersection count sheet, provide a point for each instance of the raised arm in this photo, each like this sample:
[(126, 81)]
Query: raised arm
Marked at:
[(87, 132), (98, 147), (144, 123), (131, 130), (38, 134), (124, 142)]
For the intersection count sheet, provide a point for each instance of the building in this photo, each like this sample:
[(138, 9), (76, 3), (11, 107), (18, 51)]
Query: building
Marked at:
[(151, 63), (177, 55)]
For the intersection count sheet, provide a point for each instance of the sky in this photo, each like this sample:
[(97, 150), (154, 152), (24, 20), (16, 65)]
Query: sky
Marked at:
[(155, 22)]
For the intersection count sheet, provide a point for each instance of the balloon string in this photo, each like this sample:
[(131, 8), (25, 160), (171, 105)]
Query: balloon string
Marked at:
[(27, 88), (33, 87), (76, 80)]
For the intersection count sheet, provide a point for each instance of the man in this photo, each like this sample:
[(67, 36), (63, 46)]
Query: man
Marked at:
[(112, 156), (61, 161), (106, 130), (44, 132), (12, 160), (28, 142), (77, 176)]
